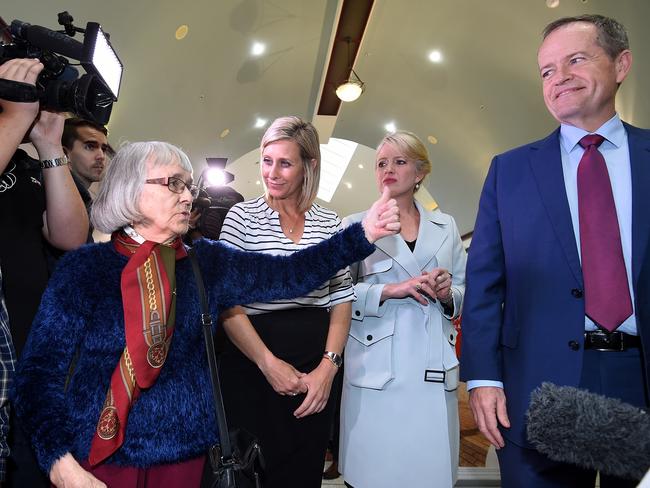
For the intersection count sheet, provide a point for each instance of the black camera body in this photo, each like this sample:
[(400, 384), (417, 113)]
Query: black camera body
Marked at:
[(214, 203), (59, 87)]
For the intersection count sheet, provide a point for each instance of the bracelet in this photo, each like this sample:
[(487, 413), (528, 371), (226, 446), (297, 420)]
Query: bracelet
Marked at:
[(336, 359), (53, 163), (449, 299)]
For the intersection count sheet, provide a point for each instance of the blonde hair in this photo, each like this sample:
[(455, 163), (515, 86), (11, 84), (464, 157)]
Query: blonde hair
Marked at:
[(413, 148), (304, 134)]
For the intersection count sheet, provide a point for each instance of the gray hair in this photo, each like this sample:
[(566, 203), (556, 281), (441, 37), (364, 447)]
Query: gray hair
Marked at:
[(611, 33), (116, 204), (305, 136)]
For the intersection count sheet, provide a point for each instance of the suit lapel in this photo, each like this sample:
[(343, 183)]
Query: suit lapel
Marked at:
[(430, 237), (639, 144), (546, 164), (397, 249)]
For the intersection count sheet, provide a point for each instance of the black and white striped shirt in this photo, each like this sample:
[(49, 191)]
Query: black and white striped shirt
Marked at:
[(254, 226)]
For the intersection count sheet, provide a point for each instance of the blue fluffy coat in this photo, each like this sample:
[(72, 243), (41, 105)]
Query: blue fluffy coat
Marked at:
[(81, 314)]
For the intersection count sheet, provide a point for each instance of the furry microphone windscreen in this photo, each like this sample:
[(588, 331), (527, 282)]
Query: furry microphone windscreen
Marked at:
[(592, 431)]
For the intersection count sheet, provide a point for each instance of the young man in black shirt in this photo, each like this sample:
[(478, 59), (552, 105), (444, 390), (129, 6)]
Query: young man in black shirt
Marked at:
[(86, 145)]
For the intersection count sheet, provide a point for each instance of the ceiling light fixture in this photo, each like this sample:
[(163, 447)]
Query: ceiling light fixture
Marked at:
[(181, 32), (435, 56), (258, 48), (353, 87)]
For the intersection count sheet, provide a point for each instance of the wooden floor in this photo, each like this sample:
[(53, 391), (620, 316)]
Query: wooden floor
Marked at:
[(473, 446)]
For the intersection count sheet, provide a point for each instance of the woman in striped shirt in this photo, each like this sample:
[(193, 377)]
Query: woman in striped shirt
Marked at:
[(283, 356)]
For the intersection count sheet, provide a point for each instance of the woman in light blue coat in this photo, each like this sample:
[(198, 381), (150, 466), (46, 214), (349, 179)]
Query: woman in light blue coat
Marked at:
[(399, 413)]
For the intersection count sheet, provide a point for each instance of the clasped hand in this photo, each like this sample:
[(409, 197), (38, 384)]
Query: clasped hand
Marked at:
[(287, 380), (430, 285)]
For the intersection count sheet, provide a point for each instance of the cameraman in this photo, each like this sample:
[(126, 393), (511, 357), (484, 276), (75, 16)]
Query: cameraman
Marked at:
[(86, 145), (39, 205)]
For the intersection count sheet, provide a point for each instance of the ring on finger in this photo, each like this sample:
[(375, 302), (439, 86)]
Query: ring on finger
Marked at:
[(418, 287)]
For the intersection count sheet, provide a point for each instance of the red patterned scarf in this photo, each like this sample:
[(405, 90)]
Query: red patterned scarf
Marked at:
[(148, 287)]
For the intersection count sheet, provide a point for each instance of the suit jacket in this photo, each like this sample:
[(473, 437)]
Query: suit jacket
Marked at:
[(369, 358), (524, 317)]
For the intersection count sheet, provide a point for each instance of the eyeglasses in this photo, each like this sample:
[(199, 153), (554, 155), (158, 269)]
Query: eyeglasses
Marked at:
[(175, 185)]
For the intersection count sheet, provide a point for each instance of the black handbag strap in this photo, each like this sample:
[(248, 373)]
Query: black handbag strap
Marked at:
[(206, 323)]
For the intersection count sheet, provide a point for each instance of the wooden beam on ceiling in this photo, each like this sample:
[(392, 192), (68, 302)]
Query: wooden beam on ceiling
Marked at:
[(352, 24)]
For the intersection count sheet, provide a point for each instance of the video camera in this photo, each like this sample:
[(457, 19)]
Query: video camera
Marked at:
[(215, 198), (214, 203), (58, 87)]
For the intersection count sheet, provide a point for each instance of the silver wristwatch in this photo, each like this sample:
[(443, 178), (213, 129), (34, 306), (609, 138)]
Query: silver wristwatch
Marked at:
[(53, 163), (335, 358)]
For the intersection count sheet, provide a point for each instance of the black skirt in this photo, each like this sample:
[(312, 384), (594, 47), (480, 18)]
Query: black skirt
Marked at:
[(294, 449)]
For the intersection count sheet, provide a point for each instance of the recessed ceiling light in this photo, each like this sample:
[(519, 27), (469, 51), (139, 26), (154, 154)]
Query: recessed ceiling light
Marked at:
[(259, 123), (257, 182), (432, 140), (224, 133), (258, 48), (390, 127), (435, 56), (552, 3), (181, 32), (360, 166), (348, 185)]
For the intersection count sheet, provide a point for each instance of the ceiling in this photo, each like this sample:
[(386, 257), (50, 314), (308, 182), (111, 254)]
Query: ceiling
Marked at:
[(483, 98)]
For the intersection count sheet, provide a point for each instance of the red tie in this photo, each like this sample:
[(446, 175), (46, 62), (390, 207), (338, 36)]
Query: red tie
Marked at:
[(607, 296)]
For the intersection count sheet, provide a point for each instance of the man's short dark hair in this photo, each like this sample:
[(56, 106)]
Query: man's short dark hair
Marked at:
[(71, 130), (611, 34)]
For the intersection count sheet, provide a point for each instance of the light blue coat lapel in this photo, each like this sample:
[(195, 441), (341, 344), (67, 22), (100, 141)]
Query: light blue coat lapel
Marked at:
[(397, 249), (430, 237)]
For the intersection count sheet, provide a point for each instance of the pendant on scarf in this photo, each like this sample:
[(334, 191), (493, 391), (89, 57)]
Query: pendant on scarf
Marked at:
[(109, 423), (157, 354), (156, 334)]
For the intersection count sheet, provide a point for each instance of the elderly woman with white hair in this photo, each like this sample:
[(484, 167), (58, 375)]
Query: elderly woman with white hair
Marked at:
[(113, 384)]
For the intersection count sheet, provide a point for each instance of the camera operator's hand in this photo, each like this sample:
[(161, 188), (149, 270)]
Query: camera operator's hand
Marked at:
[(65, 221), (15, 117), (24, 71), (46, 135)]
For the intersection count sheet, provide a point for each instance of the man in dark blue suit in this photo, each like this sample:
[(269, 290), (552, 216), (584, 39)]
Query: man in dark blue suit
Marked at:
[(554, 292)]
